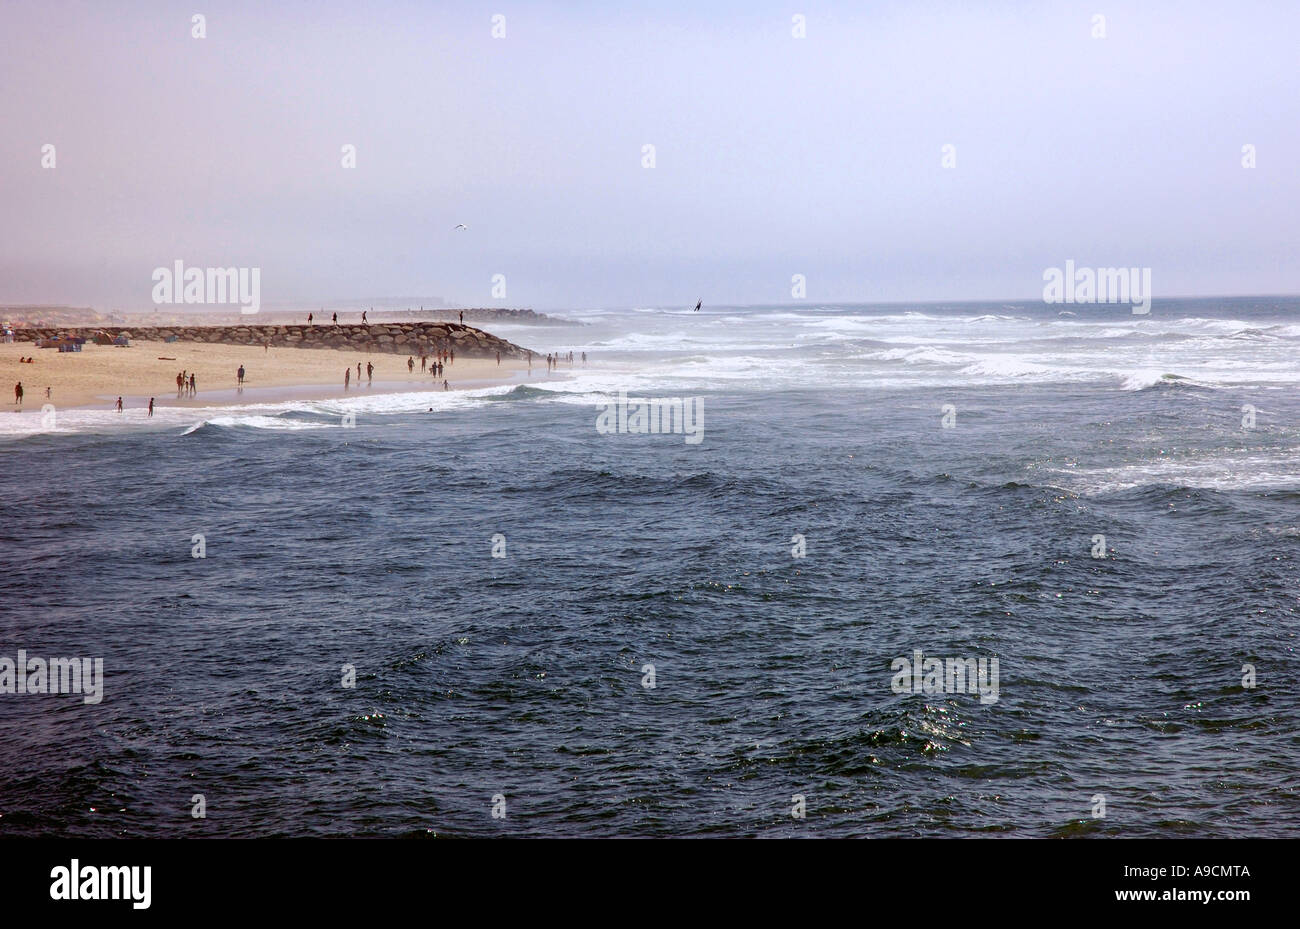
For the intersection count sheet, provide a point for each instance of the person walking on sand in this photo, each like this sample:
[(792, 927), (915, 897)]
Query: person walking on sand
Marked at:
[(18, 393), (240, 375), (347, 377), (119, 404), (151, 407)]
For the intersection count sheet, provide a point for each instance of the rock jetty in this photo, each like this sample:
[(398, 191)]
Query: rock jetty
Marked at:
[(396, 338)]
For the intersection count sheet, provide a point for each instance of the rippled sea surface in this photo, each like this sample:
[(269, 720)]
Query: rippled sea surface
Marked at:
[(1175, 436)]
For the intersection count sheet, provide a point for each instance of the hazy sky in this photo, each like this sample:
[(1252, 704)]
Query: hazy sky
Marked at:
[(774, 155)]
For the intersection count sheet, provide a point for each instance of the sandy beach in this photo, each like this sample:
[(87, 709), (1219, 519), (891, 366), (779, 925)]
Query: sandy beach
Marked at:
[(96, 376)]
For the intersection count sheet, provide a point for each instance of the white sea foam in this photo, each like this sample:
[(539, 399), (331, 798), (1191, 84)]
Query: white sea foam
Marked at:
[(1214, 472)]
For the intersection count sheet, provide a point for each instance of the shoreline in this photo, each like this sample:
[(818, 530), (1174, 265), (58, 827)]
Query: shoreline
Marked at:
[(285, 393), (95, 377)]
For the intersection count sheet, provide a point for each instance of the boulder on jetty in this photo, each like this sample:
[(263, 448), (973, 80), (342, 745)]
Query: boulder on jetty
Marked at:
[(393, 338)]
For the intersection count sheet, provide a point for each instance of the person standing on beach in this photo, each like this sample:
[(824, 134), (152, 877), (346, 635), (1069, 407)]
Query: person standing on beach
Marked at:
[(424, 362), (240, 375), (18, 393), (151, 407), (410, 365), (47, 393), (194, 386), (498, 359), (180, 384), (444, 385), (358, 372), (370, 372), (119, 404), (347, 377)]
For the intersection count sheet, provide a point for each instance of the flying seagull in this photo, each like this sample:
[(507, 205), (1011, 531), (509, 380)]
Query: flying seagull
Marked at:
[(461, 226), (698, 305)]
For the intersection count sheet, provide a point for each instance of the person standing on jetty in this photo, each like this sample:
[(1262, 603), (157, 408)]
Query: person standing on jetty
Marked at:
[(309, 322), (335, 320), (363, 318)]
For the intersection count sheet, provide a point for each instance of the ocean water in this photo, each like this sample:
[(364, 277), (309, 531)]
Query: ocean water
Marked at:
[(520, 682)]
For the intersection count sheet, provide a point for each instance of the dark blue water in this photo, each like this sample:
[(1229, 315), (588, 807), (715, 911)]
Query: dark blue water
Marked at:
[(522, 676)]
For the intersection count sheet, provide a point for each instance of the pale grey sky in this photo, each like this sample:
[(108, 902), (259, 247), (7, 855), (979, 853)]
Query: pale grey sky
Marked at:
[(774, 155)]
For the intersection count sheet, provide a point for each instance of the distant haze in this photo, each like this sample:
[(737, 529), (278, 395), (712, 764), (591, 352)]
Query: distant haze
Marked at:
[(774, 155)]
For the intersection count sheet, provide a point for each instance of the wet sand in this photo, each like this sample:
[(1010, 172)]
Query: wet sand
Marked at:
[(97, 375)]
